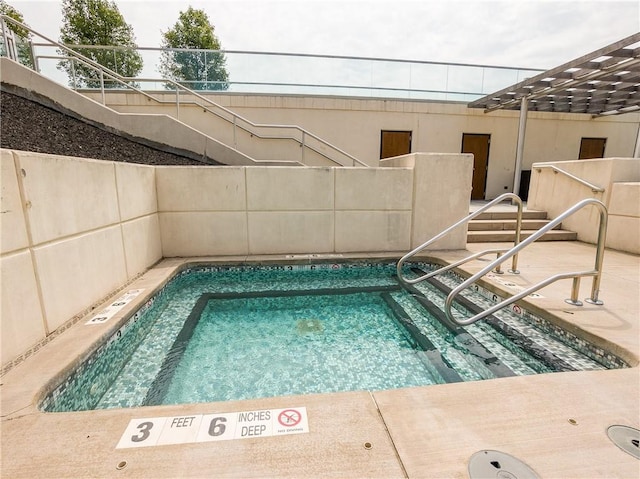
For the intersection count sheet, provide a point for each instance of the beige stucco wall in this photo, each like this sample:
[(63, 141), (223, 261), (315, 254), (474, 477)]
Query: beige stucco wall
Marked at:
[(288, 210), (441, 183), (354, 125), (624, 217), (73, 230), (618, 177)]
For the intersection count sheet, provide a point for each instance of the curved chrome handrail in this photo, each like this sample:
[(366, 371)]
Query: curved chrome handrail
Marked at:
[(596, 272), (127, 80), (466, 219), (555, 169)]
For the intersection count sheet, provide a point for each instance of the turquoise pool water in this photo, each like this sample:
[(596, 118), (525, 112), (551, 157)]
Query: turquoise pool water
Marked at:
[(302, 344), (227, 333)]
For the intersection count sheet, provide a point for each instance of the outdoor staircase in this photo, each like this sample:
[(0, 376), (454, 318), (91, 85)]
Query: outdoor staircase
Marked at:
[(500, 227)]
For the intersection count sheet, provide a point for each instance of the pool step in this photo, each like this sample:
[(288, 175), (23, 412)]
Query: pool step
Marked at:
[(506, 225), (544, 356), (435, 357), (511, 215), (462, 337), (510, 236), (500, 227)]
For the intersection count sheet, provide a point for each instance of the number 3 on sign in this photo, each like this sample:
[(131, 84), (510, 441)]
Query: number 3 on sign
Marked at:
[(142, 432), (144, 427)]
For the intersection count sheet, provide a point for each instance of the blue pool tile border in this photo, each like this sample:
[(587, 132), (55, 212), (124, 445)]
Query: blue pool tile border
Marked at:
[(581, 345), (594, 352)]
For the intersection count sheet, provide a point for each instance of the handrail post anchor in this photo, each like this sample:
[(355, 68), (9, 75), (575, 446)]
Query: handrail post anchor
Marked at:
[(596, 301), (498, 269), (574, 293), (593, 299)]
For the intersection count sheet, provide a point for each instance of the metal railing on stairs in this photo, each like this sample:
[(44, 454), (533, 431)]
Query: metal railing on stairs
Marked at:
[(556, 170), (303, 137), (596, 272)]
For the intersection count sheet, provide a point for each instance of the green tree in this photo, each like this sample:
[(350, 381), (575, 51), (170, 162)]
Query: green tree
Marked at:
[(198, 70), (98, 22), (22, 36)]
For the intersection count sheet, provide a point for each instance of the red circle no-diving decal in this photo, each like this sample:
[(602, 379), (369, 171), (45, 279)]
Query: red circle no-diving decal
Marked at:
[(289, 417)]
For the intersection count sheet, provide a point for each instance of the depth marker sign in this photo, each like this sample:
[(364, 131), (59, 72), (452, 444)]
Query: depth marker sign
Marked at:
[(107, 313), (157, 431)]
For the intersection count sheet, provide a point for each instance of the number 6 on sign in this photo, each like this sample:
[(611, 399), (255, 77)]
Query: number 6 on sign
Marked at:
[(142, 432), (217, 427)]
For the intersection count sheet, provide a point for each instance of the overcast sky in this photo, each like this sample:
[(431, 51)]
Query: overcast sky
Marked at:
[(533, 33)]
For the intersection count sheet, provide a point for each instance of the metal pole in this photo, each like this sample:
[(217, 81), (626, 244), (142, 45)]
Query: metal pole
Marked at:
[(104, 101), (636, 151), (73, 74), (302, 145), (235, 140), (522, 126), (177, 103), (498, 269), (575, 288), (3, 27), (34, 59), (514, 261), (602, 238), (9, 40)]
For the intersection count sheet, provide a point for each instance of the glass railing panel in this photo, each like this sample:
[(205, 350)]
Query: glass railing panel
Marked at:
[(428, 77), (280, 73), (464, 79)]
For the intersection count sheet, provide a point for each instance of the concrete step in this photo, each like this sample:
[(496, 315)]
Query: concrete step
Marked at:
[(509, 236), (511, 215), (506, 225)]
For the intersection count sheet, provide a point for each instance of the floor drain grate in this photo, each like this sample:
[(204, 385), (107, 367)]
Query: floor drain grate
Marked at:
[(499, 465), (626, 438)]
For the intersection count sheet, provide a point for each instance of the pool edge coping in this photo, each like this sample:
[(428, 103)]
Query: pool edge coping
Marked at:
[(168, 268)]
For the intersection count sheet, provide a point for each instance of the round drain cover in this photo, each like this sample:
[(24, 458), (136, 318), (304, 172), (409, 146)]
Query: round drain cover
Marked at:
[(498, 465), (626, 438)]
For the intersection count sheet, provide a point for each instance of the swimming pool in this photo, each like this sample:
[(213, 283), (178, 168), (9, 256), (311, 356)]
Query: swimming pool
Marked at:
[(218, 333)]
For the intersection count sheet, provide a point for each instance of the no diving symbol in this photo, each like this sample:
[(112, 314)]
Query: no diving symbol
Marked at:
[(289, 417)]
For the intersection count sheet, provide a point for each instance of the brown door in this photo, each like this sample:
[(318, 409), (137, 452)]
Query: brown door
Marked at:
[(394, 143), (592, 148), (478, 144)]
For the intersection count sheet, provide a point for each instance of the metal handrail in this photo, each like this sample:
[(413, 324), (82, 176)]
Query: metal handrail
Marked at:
[(300, 55), (307, 55), (126, 80), (596, 272), (123, 80), (506, 196), (594, 188)]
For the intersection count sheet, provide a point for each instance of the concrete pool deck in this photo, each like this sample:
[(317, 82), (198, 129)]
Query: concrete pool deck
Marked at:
[(556, 423)]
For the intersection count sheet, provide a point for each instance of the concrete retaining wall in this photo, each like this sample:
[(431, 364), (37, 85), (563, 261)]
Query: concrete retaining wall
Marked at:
[(554, 193), (355, 125), (286, 210), (74, 230)]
